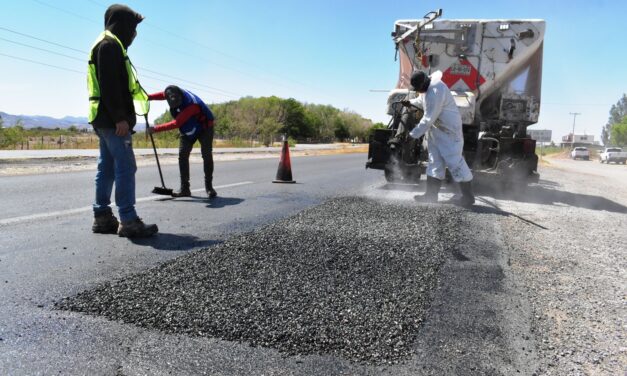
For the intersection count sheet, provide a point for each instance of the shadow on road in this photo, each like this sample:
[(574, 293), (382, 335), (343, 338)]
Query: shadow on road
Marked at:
[(492, 208), (220, 202), (173, 242), (546, 193), (215, 203)]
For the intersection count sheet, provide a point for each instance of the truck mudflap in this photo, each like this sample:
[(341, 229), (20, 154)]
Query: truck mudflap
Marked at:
[(399, 160), (378, 149)]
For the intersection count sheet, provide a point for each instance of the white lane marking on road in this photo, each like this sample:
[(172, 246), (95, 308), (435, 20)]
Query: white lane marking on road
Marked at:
[(8, 221)]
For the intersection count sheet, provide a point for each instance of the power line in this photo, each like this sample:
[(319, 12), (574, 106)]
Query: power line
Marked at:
[(42, 49), (41, 40), (179, 36), (169, 82), (182, 38), (190, 82), (164, 46), (84, 73), (196, 85), (97, 3), (216, 91), (66, 11), (41, 63)]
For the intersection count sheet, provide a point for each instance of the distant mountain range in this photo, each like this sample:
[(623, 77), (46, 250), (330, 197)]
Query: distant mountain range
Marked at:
[(44, 121)]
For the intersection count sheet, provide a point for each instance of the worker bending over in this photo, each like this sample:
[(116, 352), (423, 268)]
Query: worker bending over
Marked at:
[(442, 123), (194, 120)]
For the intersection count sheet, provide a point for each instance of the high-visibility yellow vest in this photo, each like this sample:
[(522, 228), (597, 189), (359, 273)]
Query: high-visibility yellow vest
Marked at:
[(140, 97)]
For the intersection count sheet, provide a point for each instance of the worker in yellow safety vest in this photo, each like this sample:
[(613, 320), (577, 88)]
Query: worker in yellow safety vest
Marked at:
[(115, 97)]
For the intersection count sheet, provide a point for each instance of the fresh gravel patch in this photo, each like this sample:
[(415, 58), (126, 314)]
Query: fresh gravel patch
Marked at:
[(352, 278)]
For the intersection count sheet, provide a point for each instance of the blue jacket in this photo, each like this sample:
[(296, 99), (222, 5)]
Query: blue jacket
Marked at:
[(194, 124)]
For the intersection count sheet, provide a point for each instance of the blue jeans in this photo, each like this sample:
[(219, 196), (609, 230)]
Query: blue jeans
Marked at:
[(115, 164)]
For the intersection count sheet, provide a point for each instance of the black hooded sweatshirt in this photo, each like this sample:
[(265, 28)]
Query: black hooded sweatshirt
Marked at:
[(116, 102)]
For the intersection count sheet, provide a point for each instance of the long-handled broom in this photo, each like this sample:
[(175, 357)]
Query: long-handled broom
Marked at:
[(157, 190)]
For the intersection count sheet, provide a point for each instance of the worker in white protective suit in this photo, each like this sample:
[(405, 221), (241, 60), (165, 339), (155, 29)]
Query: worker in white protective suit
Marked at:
[(442, 123)]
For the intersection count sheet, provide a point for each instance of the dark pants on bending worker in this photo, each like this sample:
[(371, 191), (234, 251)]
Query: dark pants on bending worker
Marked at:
[(205, 136)]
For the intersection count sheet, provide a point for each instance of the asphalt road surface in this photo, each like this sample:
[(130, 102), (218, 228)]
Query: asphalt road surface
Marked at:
[(537, 286)]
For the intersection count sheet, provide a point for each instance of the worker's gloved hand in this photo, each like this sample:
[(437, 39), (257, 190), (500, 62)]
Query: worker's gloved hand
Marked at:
[(151, 130), (406, 103)]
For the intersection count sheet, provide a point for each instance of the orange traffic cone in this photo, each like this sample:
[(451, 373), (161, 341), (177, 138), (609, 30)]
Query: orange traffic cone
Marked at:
[(284, 173)]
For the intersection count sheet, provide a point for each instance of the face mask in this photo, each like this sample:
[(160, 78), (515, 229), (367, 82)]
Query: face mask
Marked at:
[(174, 99)]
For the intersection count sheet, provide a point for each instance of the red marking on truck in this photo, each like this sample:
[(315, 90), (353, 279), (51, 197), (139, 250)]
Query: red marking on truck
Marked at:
[(464, 71)]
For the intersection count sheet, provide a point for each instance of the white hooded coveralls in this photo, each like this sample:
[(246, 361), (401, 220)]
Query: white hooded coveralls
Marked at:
[(443, 125)]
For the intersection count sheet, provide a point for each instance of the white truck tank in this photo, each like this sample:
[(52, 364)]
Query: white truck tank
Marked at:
[(494, 71), (494, 67)]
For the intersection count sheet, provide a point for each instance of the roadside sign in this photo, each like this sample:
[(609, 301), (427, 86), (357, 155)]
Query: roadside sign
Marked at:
[(540, 135)]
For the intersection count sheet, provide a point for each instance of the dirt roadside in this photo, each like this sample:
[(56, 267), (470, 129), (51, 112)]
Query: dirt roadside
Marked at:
[(570, 257), (33, 166)]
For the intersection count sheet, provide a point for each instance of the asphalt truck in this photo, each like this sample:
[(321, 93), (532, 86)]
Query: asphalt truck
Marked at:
[(494, 71)]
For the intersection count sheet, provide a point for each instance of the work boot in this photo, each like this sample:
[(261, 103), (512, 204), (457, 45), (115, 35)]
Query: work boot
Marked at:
[(182, 192), (431, 194), (467, 198), (105, 223), (136, 229), (211, 193)]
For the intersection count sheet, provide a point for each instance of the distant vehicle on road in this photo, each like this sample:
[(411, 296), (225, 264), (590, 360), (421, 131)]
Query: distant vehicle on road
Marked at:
[(616, 155), (580, 152)]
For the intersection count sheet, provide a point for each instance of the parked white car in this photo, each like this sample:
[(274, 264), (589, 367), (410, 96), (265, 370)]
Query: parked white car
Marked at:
[(580, 152), (616, 155)]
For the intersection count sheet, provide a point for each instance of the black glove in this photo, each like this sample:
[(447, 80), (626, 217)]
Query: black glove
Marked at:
[(406, 103)]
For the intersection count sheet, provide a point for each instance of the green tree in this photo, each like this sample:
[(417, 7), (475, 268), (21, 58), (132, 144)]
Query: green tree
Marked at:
[(618, 135), (164, 139), (72, 129), (356, 125), (294, 119), (19, 123), (340, 129), (2, 135), (321, 120), (374, 127), (617, 113), (12, 136), (164, 118), (266, 118)]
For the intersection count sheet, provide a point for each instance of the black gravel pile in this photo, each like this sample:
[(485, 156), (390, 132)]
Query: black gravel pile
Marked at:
[(351, 277)]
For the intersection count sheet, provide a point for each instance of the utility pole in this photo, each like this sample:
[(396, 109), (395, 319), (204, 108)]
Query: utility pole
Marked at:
[(574, 118)]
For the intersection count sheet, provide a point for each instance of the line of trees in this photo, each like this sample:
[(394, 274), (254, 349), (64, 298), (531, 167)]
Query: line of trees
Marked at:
[(262, 120), (615, 131), (267, 118)]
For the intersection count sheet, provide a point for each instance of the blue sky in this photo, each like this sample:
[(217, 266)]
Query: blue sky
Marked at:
[(328, 52)]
